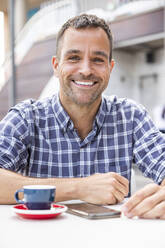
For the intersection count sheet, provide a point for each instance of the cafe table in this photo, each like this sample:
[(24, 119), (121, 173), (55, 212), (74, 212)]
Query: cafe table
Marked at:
[(70, 231)]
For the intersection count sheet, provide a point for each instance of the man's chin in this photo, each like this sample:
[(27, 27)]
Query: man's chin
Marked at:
[(84, 102), (73, 97)]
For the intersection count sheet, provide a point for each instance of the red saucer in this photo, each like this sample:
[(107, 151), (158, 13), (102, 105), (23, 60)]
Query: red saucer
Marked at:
[(23, 212)]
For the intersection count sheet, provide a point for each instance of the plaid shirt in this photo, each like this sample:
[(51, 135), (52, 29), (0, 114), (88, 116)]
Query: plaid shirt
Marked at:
[(38, 139)]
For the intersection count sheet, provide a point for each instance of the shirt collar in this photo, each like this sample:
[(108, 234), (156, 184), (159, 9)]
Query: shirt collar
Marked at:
[(99, 120), (65, 121), (61, 115)]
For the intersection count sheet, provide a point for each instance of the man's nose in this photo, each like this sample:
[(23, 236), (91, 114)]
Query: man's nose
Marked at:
[(85, 67)]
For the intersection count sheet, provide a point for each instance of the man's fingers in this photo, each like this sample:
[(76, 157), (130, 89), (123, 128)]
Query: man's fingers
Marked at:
[(120, 183), (158, 212), (141, 201), (118, 190), (145, 205), (118, 195), (124, 181)]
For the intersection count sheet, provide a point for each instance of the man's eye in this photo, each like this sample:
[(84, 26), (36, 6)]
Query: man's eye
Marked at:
[(74, 58), (98, 60)]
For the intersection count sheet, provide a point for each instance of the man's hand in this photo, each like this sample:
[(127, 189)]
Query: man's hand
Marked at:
[(148, 203), (106, 188)]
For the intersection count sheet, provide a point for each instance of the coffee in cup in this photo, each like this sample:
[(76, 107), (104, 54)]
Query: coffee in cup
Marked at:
[(37, 197)]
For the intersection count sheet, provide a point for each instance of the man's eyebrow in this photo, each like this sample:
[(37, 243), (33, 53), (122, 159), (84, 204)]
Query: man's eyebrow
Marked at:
[(76, 51), (71, 51), (101, 53)]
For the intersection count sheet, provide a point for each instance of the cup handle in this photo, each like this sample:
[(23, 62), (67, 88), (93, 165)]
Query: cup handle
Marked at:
[(17, 196)]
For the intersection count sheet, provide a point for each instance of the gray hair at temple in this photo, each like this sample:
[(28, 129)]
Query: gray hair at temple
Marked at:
[(84, 21)]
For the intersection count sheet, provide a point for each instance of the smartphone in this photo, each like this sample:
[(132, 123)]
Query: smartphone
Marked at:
[(92, 211)]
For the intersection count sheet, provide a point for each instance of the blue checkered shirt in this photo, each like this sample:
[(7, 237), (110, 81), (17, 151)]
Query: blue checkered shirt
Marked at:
[(38, 139)]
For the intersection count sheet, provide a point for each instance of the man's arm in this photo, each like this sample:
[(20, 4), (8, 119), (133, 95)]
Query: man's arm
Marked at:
[(107, 188), (148, 202), (11, 181)]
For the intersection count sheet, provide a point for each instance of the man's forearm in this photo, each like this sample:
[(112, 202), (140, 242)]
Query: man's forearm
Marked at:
[(66, 189), (101, 188)]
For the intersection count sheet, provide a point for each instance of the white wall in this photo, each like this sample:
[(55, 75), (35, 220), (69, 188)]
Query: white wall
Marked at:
[(122, 82), (132, 77)]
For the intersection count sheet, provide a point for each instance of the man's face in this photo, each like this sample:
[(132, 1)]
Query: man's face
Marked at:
[(83, 67)]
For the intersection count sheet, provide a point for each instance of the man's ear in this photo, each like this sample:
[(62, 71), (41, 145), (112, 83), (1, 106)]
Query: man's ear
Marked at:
[(112, 63), (55, 65)]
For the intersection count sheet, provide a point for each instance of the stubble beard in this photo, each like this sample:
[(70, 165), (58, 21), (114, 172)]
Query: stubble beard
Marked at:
[(69, 93)]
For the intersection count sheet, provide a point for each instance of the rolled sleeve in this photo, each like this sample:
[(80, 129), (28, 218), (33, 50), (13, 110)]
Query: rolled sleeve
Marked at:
[(14, 140), (149, 147)]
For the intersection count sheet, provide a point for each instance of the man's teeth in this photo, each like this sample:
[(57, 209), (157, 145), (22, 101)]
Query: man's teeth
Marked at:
[(84, 83)]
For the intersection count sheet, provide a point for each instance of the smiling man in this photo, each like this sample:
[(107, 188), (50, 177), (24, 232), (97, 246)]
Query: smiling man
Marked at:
[(83, 70), (79, 140)]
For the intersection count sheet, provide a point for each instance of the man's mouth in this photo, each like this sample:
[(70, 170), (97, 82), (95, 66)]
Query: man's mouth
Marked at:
[(84, 83)]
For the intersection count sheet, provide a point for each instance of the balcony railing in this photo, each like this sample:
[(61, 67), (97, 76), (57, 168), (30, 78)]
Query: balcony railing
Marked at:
[(119, 3), (122, 2)]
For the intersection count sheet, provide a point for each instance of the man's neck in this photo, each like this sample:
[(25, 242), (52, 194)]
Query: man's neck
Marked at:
[(82, 117)]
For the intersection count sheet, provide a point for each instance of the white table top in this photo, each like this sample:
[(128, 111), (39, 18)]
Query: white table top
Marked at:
[(75, 232)]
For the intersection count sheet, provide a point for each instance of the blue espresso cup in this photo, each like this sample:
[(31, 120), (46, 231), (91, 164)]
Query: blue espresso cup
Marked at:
[(37, 197)]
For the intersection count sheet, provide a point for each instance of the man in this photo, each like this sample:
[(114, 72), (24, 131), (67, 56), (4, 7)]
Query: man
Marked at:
[(80, 141)]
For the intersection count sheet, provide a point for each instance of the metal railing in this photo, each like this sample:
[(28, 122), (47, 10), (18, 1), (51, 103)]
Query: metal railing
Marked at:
[(119, 3), (122, 2), (48, 3)]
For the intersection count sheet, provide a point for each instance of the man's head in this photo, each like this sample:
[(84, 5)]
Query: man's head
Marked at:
[(81, 22), (83, 61)]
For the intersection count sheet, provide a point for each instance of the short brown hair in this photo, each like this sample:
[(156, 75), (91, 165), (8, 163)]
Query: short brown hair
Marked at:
[(84, 21)]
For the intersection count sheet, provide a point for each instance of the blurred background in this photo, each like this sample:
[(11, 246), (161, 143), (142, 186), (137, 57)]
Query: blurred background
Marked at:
[(28, 31)]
